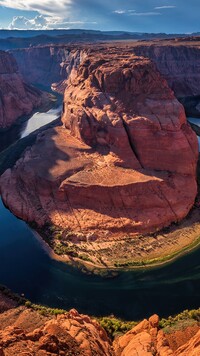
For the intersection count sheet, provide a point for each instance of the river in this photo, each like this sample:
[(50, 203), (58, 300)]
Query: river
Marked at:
[(26, 268)]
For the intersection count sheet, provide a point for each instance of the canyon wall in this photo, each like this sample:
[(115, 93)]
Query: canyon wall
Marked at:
[(50, 64), (178, 63), (16, 97), (123, 164)]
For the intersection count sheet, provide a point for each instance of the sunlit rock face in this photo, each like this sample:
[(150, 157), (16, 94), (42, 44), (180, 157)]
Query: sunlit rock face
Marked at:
[(124, 162), (16, 97), (24, 331)]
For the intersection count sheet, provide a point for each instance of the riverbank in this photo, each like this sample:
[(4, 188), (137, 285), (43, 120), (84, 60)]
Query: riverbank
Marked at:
[(129, 253)]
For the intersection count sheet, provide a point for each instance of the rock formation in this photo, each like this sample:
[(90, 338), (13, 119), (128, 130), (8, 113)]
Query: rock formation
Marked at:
[(26, 332), (16, 97), (146, 339), (179, 63), (68, 334), (123, 164)]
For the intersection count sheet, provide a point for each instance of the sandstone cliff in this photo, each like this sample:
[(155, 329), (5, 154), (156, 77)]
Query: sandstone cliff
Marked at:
[(179, 64), (123, 164), (47, 65), (16, 97)]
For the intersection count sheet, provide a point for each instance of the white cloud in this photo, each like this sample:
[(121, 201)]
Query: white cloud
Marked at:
[(164, 7), (134, 13), (120, 12), (45, 7), (145, 14), (22, 23), (41, 22)]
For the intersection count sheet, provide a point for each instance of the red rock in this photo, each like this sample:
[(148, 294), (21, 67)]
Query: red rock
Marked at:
[(154, 320), (16, 97), (143, 340), (125, 163), (26, 332), (68, 334), (178, 63), (191, 348)]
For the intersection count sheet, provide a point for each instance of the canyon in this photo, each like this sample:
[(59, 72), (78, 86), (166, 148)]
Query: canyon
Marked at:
[(17, 98), (50, 64), (121, 169), (97, 178), (177, 60)]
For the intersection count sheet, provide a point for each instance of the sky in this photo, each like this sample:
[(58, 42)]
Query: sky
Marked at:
[(169, 16)]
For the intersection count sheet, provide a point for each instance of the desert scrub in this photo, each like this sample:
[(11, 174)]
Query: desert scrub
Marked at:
[(114, 326), (85, 258), (63, 249), (43, 310), (180, 321)]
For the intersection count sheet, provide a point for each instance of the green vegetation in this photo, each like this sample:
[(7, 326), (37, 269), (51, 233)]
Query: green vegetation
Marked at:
[(85, 258), (159, 260), (43, 310), (115, 326), (180, 321)]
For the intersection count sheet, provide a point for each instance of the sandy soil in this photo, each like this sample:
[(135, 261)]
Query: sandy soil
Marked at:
[(138, 252)]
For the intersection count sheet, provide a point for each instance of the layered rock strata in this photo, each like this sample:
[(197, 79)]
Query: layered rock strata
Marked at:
[(16, 97), (179, 63), (124, 162)]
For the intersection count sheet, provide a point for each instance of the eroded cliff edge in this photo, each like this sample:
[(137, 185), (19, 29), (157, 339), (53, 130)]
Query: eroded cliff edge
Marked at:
[(124, 162), (40, 331), (16, 97)]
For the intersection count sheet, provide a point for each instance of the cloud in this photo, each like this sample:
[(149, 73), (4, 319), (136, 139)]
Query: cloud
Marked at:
[(41, 22), (145, 13), (164, 7), (134, 13), (120, 12), (21, 22)]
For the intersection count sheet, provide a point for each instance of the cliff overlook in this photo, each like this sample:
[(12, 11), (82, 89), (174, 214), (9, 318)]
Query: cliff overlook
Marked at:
[(124, 162)]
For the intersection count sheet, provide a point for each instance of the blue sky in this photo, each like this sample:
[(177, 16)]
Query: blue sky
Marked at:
[(171, 16)]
